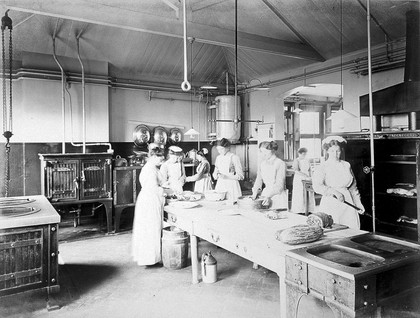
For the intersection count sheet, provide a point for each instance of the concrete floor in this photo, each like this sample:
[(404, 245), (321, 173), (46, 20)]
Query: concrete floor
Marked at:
[(98, 279)]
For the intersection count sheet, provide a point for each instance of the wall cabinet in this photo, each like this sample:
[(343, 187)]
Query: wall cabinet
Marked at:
[(78, 179), (126, 188), (397, 181)]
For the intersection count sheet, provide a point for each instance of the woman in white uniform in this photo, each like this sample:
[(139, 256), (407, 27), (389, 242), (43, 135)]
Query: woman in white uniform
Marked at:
[(227, 171), (148, 215), (301, 167), (272, 173), (202, 178), (173, 171), (334, 179)]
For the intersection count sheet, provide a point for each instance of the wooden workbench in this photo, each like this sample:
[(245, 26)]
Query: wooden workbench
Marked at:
[(246, 233)]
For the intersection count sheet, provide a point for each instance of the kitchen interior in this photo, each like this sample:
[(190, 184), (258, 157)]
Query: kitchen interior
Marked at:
[(86, 88)]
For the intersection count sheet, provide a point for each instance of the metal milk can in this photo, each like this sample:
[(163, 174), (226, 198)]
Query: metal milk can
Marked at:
[(208, 268)]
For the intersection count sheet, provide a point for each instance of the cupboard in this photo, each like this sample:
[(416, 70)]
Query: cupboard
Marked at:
[(126, 188), (397, 163)]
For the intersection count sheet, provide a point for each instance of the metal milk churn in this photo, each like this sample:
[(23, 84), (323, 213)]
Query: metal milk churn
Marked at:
[(208, 268)]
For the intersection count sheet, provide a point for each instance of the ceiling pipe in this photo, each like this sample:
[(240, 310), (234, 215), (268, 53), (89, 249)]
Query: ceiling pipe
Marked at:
[(63, 101)]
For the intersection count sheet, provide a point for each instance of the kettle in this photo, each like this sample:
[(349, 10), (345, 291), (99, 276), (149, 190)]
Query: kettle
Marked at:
[(208, 268), (120, 162)]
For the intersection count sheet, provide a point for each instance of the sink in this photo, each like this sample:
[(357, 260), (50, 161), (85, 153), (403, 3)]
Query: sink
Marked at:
[(383, 245), (14, 211), (344, 255)]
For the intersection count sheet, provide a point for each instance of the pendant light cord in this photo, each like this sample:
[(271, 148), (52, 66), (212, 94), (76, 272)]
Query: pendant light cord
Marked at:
[(341, 53), (236, 60), (185, 86), (191, 79)]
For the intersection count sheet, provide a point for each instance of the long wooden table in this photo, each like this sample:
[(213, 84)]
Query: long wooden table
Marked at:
[(247, 233)]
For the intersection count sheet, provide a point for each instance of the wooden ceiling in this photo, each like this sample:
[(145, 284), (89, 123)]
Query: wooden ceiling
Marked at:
[(143, 39)]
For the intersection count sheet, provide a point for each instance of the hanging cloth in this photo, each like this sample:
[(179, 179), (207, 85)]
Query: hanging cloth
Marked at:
[(6, 22)]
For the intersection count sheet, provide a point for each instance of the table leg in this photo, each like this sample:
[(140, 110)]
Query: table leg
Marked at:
[(282, 283), (194, 259), (108, 211), (117, 219)]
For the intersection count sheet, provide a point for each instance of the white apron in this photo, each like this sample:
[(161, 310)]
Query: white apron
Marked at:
[(174, 172), (204, 183), (339, 177), (148, 216), (229, 164), (272, 174), (298, 200)]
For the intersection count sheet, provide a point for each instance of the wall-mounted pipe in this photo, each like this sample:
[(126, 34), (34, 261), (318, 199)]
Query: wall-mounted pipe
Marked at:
[(227, 83), (83, 96), (64, 108), (63, 101), (84, 109)]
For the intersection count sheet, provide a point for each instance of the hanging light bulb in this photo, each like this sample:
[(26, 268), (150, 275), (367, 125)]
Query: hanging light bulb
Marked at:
[(341, 114), (192, 133), (297, 109), (208, 86)]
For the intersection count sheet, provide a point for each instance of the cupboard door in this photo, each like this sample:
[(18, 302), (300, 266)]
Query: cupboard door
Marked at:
[(62, 180), (95, 176)]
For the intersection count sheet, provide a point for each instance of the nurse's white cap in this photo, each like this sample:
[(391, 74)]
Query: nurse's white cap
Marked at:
[(175, 150)]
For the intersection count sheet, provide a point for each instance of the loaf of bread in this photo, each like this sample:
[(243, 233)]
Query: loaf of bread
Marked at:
[(321, 219), (300, 234)]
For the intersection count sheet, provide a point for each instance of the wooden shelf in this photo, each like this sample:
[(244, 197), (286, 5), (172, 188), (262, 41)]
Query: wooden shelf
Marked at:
[(397, 195), (397, 162)]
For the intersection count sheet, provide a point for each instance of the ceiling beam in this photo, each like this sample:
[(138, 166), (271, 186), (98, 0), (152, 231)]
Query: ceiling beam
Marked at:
[(117, 17), (286, 22)]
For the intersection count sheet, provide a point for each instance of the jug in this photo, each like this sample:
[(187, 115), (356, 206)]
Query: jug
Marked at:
[(208, 268), (192, 154)]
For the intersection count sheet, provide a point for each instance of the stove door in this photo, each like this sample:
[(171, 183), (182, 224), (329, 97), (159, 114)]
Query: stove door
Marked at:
[(95, 179), (62, 180)]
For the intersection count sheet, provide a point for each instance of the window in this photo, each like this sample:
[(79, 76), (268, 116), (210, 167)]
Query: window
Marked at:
[(310, 132)]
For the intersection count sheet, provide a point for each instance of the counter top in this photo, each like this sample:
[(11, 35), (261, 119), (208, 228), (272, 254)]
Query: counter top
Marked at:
[(44, 212), (251, 224)]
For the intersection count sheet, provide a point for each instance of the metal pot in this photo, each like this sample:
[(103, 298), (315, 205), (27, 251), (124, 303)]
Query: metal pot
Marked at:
[(120, 162), (160, 136), (141, 135), (175, 135)]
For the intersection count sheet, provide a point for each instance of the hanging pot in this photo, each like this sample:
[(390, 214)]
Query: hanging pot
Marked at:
[(141, 135), (160, 136), (175, 135)]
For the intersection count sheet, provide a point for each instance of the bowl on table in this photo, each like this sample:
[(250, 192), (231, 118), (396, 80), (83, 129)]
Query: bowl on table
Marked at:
[(191, 196), (246, 202), (214, 195)]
